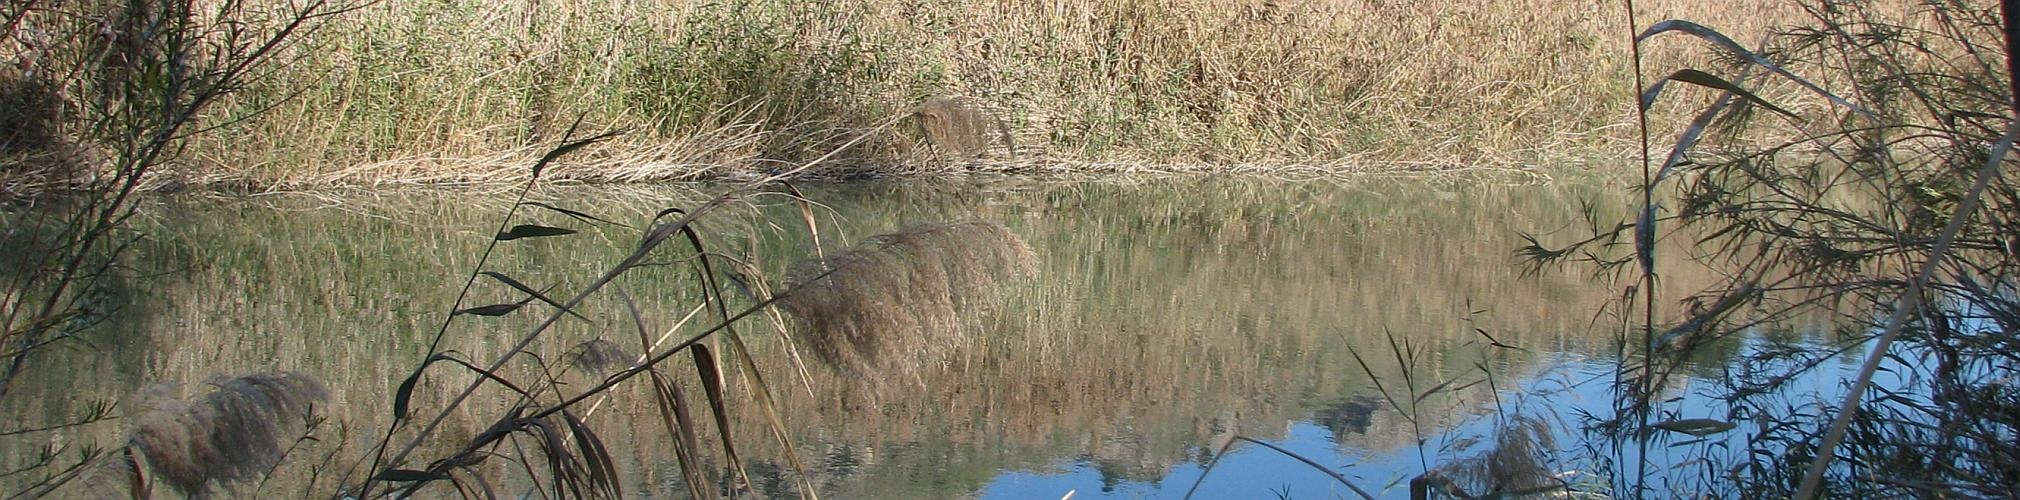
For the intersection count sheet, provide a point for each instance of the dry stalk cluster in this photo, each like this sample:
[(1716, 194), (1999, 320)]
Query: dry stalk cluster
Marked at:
[(1515, 463), (456, 91), (899, 302)]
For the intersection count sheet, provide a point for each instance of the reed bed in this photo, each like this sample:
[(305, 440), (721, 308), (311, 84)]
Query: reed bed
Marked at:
[(897, 303), (461, 91)]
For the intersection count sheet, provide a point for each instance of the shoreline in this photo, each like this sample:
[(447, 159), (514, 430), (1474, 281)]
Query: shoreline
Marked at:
[(564, 174)]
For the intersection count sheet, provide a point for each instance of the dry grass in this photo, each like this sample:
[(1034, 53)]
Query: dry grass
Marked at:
[(898, 302), (464, 91), (236, 432), (961, 127)]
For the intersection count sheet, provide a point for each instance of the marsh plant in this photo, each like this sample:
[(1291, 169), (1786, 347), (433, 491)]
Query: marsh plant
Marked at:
[(962, 127), (864, 308), (1887, 204), (100, 97), (238, 431)]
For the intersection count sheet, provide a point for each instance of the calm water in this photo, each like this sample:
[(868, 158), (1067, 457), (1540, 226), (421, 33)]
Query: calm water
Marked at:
[(1167, 316)]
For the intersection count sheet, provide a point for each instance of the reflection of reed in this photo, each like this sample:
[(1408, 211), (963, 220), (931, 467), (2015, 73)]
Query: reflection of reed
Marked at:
[(1168, 311), (233, 433), (899, 300), (1514, 461)]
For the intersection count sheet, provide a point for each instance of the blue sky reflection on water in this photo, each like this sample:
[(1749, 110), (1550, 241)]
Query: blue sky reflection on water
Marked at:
[(1167, 312), (1561, 393)]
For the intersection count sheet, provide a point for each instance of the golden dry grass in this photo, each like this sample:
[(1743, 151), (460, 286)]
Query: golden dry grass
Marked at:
[(961, 127), (466, 91)]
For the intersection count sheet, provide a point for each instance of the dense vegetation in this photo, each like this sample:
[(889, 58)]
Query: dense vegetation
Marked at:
[(1888, 207), (471, 91), (1852, 161)]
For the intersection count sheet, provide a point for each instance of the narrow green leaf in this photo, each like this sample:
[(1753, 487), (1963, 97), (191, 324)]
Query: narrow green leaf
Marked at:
[(1726, 43), (711, 383), (1644, 239), (1432, 391), (405, 392), (566, 148), (494, 310), (532, 231), (536, 294), (574, 214), (596, 457), (807, 214), (1654, 89), (1708, 80)]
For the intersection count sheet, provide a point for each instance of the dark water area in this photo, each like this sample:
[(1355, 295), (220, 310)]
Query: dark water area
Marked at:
[(1166, 317)]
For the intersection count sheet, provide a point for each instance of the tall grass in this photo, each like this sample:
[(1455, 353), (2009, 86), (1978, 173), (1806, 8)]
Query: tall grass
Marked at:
[(461, 91)]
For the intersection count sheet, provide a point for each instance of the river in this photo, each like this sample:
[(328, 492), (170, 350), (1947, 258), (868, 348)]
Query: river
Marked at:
[(1166, 317)]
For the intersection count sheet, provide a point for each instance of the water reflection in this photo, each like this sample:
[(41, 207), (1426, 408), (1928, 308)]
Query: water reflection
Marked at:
[(1168, 316)]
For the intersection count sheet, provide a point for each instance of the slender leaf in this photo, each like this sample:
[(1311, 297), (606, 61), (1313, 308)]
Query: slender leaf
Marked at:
[(602, 470), (1707, 80), (807, 215), (405, 392), (408, 475), (575, 214), (1726, 43), (494, 310), (569, 147), (711, 384), (536, 294), (532, 231)]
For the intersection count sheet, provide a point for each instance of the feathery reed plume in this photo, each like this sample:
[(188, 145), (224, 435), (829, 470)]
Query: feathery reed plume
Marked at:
[(897, 301), (961, 127), (597, 356), (235, 432), (1514, 466)]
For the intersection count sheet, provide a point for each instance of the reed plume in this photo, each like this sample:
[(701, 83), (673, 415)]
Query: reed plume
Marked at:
[(597, 356), (1514, 465), (898, 301), (235, 432), (962, 127)]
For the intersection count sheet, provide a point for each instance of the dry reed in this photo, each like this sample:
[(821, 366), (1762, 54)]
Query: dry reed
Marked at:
[(235, 432), (898, 302), (962, 127), (446, 92)]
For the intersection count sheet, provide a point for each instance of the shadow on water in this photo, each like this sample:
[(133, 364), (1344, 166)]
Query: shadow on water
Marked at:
[(1167, 316)]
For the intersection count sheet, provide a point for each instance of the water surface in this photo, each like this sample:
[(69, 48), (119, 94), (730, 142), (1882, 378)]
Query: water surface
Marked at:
[(1168, 316)]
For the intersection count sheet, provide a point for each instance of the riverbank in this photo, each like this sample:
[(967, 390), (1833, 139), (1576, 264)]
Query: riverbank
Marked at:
[(466, 91)]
